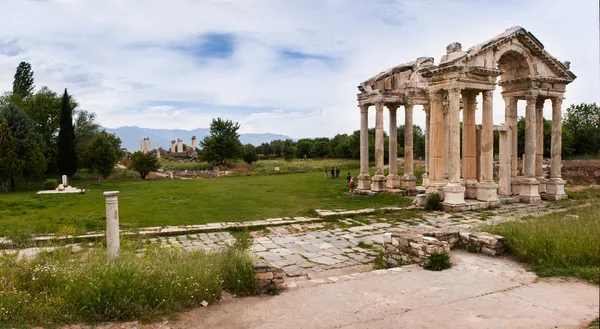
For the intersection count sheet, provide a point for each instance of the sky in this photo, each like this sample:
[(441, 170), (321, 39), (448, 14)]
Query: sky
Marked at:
[(275, 66)]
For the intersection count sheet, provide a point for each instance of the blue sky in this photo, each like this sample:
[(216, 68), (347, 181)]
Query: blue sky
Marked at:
[(287, 67)]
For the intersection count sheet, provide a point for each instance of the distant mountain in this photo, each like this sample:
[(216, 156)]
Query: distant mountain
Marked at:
[(131, 137)]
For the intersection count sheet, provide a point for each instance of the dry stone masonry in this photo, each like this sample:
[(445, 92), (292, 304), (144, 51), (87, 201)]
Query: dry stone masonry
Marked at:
[(526, 71)]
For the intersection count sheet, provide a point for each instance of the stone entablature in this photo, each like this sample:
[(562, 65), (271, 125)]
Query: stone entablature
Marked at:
[(526, 71)]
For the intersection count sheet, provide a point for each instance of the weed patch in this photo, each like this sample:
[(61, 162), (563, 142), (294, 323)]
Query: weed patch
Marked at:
[(437, 262)]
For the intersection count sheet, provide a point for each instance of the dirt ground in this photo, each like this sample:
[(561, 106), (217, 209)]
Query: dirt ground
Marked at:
[(477, 292)]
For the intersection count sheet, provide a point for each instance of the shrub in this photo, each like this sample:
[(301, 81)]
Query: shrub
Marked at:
[(50, 184), (144, 163), (437, 262), (433, 202)]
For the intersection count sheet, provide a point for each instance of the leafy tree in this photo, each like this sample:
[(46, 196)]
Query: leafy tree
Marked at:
[(20, 125), (289, 150), (223, 143), (249, 156), (583, 121), (265, 149), (86, 129), (23, 83), (276, 147), (35, 163), (144, 163), (320, 150), (67, 154), (303, 148), (9, 159), (102, 154)]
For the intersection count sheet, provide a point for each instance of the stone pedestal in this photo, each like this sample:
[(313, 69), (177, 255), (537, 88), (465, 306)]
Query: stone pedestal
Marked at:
[(436, 187), (378, 183), (454, 194), (487, 191), (393, 181), (65, 180), (555, 189), (515, 183), (425, 179), (112, 224), (529, 190), (471, 188), (542, 180), (364, 182), (409, 183)]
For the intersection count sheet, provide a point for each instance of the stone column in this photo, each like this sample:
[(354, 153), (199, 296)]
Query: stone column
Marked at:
[(504, 167), (179, 145), (393, 180), (528, 189), (378, 181), (364, 179), (173, 146), (436, 144), (555, 186), (409, 180), (486, 189), (478, 152), (511, 119), (469, 145), (539, 144), (65, 180), (112, 224), (194, 143), (454, 192), (427, 123), (446, 139)]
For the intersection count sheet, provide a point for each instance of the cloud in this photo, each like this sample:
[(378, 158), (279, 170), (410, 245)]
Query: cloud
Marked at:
[(288, 67)]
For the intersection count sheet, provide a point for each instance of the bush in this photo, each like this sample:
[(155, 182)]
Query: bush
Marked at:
[(433, 202), (64, 287), (437, 262), (50, 184), (144, 163)]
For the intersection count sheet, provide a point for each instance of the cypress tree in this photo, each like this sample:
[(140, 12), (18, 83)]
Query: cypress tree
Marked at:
[(67, 155), (23, 83)]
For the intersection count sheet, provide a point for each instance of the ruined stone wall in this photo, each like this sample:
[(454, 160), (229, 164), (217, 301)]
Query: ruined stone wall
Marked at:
[(269, 279)]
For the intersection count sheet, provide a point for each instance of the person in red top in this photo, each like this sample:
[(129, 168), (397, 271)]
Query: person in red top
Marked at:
[(352, 185)]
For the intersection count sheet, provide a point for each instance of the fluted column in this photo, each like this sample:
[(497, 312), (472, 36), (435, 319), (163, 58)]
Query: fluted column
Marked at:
[(364, 179), (427, 123), (378, 181), (529, 186), (511, 120), (469, 144), (454, 192), (539, 144), (392, 179), (446, 139), (486, 190), (409, 181), (436, 144), (555, 187)]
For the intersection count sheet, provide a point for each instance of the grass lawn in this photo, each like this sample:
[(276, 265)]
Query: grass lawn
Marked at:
[(176, 202)]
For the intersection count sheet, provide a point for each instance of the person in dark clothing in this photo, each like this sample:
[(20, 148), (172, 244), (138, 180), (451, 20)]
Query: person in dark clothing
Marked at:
[(332, 172), (337, 172), (348, 177)]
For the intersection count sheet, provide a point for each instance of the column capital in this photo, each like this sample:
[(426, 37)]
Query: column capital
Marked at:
[(487, 94), (454, 91), (379, 106), (557, 100), (364, 108), (436, 95), (426, 109), (392, 106), (531, 97), (469, 93), (540, 102)]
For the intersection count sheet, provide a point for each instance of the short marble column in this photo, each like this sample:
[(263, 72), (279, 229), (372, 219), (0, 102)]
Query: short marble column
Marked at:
[(555, 186), (112, 224), (436, 145), (486, 189), (511, 120), (173, 146), (469, 145), (364, 179), (539, 145), (378, 181), (179, 146), (65, 180), (409, 180), (425, 176), (194, 143), (454, 192), (529, 186), (393, 180), (504, 166)]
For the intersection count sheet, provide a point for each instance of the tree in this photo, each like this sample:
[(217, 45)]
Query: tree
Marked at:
[(9, 159), (21, 128), (289, 150), (67, 154), (583, 121), (102, 154), (276, 147), (249, 156), (23, 83), (144, 163), (223, 143), (320, 150), (35, 163), (265, 149), (86, 129), (303, 148)]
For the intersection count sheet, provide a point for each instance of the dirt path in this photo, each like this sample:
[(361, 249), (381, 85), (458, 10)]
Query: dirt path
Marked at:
[(478, 292)]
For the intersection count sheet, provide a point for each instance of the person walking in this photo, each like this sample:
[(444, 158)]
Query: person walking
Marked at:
[(337, 172), (332, 172), (351, 185), (348, 178), (325, 173)]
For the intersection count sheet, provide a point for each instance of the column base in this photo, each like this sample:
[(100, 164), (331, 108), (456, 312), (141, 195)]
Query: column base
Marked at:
[(471, 188), (529, 191), (409, 183), (515, 183), (425, 178), (555, 189), (542, 180), (378, 183), (436, 187), (487, 191), (393, 182), (364, 181), (454, 194)]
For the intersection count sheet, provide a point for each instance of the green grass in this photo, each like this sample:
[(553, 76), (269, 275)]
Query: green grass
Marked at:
[(184, 165), (177, 202), (309, 165), (364, 245), (557, 245), (65, 287)]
